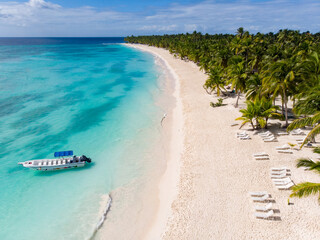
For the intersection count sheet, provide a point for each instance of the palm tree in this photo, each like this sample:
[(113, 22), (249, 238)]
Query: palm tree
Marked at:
[(280, 80), (307, 121), (306, 189), (259, 110), (238, 76), (215, 81)]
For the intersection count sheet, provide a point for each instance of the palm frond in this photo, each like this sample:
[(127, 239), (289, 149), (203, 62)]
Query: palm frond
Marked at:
[(316, 150), (308, 164), (305, 189), (315, 131), (302, 122)]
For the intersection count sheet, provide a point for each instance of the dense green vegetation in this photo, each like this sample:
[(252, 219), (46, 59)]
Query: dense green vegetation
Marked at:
[(263, 67)]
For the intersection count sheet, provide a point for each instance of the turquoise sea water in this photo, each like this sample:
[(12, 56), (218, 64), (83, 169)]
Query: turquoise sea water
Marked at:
[(93, 98)]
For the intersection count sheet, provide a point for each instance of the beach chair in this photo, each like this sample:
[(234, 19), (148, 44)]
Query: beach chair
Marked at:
[(285, 151), (264, 208), (273, 139), (283, 147), (245, 138), (282, 175), (264, 215), (260, 154), (64, 162), (297, 132), (283, 183), (241, 133), (282, 133), (286, 187), (278, 172), (260, 199), (264, 133), (257, 194), (279, 169), (286, 179), (59, 162), (267, 136)]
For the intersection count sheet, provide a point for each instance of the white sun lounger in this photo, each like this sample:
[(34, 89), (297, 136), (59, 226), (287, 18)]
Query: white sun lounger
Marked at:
[(279, 169), (260, 199), (282, 133), (285, 151), (260, 154), (297, 132), (286, 187), (283, 147), (245, 138), (273, 139), (278, 172), (253, 194), (283, 183), (282, 175), (241, 133), (264, 133), (264, 215), (281, 180), (267, 136), (263, 208)]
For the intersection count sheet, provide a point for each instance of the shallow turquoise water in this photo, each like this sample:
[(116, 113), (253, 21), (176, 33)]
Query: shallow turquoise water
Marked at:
[(95, 99)]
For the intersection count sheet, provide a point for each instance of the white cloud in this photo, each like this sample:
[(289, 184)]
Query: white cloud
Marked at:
[(44, 18)]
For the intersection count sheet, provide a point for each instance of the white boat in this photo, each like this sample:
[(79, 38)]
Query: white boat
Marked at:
[(65, 160)]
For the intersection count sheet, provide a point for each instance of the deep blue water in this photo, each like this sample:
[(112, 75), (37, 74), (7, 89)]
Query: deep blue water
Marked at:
[(83, 94)]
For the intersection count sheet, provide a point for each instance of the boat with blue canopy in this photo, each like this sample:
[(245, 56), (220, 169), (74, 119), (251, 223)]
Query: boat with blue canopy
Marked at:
[(63, 160)]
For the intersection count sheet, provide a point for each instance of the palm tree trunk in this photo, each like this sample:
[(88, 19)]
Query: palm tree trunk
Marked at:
[(286, 108), (237, 99)]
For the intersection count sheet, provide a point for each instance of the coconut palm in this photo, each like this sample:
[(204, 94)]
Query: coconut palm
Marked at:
[(307, 121), (306, 189), (215, 81), (258, 113), (238, 76), (280, 80)]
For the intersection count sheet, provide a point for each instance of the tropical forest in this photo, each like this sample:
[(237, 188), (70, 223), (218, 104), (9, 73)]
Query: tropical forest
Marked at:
[(262, 67)]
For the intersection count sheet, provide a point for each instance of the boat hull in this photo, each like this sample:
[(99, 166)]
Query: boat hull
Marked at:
[(53, 164)]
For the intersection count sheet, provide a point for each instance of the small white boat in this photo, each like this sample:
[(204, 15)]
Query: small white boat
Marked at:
[(66, 160)]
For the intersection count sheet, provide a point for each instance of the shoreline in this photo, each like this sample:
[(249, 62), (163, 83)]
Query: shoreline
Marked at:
[(170, 177), (217, 171)]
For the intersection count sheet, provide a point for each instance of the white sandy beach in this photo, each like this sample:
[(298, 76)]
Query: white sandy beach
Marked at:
[(204, 192)]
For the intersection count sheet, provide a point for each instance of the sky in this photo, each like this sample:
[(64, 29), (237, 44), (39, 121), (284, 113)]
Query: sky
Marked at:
[(106, 18)]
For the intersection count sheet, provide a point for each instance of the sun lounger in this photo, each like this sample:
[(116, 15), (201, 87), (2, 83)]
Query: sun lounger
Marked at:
[(260, 154), (263, 208), (260, 199), (241, 133), (282, 175), (286, 187), (281, 180), (245, 138), (297, 132), (283, 183), (264, 133), (285, 151), (278, 172), (283, 147), (273, 139), (279, 169), (264, 215), (267, 136), (282, 133), (257, 194)]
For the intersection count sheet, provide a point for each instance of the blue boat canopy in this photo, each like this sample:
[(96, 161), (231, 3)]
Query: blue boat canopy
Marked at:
[(63, 153)]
